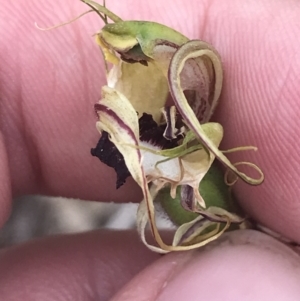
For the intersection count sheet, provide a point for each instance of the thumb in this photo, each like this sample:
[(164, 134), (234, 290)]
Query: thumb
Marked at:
[(242, 265)]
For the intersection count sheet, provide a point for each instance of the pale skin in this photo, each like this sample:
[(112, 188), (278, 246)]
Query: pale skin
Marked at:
[(49, 83)]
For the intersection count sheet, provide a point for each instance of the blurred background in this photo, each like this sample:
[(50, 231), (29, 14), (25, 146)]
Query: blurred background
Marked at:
[(36, 216)]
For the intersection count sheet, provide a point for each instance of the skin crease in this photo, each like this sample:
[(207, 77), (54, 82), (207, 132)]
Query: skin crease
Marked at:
[(49, 83)]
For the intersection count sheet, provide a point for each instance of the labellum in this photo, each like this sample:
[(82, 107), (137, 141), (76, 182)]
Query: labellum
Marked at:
[(167, 147)]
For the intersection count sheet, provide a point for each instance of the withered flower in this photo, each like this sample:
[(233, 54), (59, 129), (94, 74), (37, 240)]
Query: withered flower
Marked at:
[(154, 115)]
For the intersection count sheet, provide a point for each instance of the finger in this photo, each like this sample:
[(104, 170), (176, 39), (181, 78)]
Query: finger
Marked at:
[(90, 266), (51, 81), (67, 171), (260, 102), (47, 116), (243, 265)]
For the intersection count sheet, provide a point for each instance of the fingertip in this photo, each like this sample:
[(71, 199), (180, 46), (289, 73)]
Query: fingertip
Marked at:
[(87, 266), (243, 265)]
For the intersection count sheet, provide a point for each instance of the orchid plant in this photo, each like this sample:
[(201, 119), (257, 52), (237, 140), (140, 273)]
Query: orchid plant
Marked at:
[(153, 116)]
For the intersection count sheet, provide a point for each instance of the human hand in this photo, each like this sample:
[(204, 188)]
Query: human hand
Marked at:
[(49, 83)]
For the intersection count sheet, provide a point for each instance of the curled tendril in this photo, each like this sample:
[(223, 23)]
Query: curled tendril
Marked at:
[(196, 50), (255, 167)]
